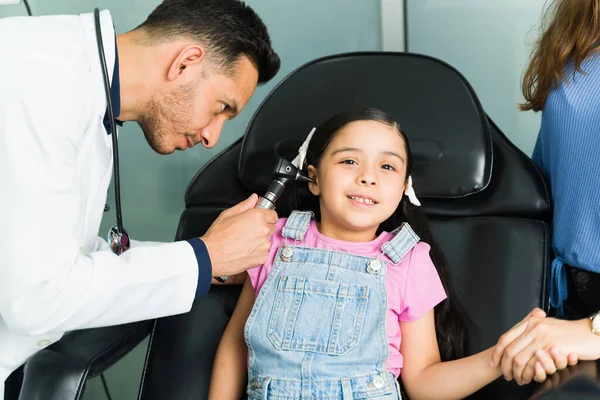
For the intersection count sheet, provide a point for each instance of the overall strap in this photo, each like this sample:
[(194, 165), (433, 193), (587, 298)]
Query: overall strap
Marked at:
[(404, 240), (297, 225)]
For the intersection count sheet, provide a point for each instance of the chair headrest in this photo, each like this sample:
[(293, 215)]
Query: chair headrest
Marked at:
[(446, 126)]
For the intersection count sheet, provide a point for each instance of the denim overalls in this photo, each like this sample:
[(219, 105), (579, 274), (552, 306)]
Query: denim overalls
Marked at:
[(318, 326)]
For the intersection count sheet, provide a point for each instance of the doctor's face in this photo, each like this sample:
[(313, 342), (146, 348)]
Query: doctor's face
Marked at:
[(196, 111)]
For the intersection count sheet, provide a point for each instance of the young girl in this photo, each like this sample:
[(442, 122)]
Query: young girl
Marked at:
[(347, 301)]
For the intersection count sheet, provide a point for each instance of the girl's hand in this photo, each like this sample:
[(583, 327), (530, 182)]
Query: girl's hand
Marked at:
[(511, 335)]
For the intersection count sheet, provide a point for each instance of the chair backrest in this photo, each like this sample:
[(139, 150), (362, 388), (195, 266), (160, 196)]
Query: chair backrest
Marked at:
[(488, 205)]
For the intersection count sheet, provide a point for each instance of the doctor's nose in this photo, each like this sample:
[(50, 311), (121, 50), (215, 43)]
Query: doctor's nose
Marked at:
[(211, 134)]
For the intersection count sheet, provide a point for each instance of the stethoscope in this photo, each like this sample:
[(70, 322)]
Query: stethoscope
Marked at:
[(118, 238)]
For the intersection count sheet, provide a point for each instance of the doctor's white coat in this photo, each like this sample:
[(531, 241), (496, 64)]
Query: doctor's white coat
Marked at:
[(56, 274)]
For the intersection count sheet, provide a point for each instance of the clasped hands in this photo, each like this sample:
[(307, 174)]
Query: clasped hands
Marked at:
[(539, 346)]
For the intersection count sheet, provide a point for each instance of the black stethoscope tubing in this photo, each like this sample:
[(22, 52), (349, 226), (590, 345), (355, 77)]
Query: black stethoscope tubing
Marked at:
[(117, 183)]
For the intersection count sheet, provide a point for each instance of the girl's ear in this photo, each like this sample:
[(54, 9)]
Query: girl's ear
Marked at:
[(313, 187)]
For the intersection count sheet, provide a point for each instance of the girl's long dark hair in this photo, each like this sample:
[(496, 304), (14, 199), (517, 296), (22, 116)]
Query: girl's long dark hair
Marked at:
[(450, 319)]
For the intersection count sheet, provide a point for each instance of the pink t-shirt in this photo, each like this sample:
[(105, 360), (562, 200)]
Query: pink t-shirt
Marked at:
[(413, 286)]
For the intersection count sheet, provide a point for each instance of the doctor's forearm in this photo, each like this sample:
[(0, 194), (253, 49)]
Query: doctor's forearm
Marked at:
[(99, 289)]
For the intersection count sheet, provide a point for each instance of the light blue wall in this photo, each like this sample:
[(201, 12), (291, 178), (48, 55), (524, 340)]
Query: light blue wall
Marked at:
[(489, 42), (153, 186)]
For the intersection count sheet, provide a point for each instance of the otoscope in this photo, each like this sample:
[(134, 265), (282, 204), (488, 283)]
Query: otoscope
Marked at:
[(284, 172)]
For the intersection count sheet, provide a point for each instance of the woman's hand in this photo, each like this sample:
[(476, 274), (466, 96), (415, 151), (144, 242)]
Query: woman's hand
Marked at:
[(520, 351)]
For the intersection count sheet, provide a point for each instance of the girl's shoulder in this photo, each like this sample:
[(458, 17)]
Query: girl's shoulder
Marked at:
[(280, 224), (419, 249), (418, 255)]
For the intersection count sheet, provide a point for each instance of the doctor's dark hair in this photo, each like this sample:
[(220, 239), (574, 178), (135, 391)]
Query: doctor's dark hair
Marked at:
[(229, 29), (450, 319)]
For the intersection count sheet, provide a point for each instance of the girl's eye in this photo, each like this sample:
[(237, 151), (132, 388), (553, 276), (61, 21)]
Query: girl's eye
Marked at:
[(223, 107), (349, 162), (388, 167)]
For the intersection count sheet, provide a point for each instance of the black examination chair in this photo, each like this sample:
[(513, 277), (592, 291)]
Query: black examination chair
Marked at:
[(488, 205)]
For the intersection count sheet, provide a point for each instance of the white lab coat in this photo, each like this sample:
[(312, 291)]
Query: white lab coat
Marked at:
[(56, 274)]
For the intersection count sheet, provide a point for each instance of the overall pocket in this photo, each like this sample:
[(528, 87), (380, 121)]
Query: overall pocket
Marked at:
[(316, 315)]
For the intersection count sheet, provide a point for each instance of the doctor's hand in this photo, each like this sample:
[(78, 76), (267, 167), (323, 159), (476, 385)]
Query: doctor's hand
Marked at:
[(240, 238)]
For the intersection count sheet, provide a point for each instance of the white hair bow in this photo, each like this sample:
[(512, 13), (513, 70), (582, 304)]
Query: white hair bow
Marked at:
[(410, 192), (299, 160)]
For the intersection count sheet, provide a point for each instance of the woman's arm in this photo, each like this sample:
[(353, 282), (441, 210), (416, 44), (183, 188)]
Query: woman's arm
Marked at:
[(230, 368)]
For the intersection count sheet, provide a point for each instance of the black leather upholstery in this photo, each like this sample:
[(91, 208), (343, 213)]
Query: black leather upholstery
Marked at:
[(62, 370), (448, 129), (488, 204), (579, 382), (493, 225), (183, 348)]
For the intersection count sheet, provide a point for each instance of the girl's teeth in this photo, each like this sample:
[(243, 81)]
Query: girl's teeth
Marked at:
[(361, 200)]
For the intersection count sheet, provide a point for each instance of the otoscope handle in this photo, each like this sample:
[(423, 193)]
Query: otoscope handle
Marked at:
[(266, 202), (273, 192)]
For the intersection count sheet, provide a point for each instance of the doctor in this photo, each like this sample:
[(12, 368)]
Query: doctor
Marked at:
[(191, 66)]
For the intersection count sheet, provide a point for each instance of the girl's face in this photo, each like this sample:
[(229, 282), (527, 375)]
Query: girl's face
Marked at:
[(360, 180)]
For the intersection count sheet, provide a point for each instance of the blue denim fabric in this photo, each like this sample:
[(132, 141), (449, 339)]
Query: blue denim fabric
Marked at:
[(318, 326)]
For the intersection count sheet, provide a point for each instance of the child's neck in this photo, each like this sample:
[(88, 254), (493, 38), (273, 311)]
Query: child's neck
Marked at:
[(347, 235)]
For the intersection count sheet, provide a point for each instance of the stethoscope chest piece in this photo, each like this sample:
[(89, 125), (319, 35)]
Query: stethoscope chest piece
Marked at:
[(118, 241)]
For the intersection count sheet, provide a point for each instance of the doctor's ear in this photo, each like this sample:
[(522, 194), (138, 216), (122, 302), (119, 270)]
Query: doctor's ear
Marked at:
[(313, 187), (189, 57)]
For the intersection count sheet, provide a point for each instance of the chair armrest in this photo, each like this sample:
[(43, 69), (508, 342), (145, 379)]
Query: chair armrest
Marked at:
[(577, 382), (61, 370)]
